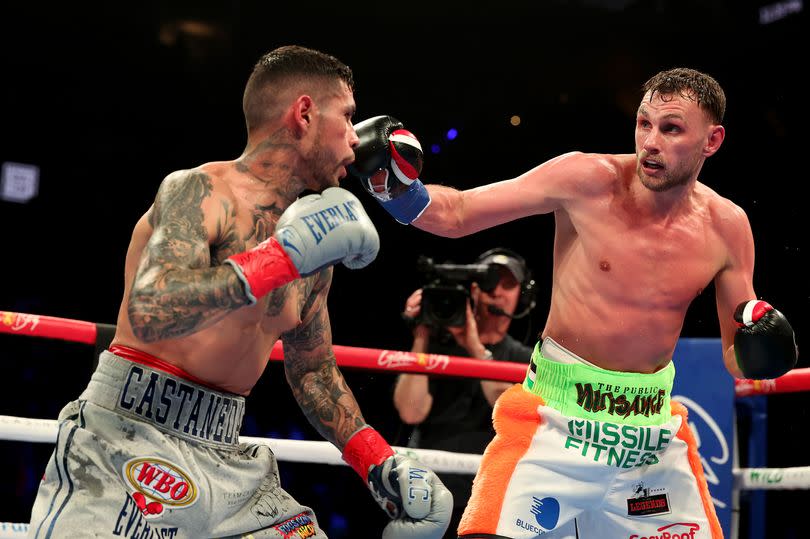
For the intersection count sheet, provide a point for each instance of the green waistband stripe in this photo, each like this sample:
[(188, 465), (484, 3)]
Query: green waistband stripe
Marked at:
[(588, 392)]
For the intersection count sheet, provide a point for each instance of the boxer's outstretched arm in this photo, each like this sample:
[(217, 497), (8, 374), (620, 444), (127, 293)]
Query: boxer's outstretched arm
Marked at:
[(175, 291), (547, 187), (312, 373)]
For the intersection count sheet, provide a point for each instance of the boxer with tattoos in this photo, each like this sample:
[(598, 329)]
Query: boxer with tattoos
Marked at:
[(228, 260)]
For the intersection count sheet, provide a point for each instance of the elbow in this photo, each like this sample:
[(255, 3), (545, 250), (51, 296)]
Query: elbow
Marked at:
[(730, 361), (411, 416), (411, 411)]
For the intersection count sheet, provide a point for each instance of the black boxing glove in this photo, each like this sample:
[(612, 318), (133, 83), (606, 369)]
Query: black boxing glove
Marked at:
[(764, 345), (387, 162)]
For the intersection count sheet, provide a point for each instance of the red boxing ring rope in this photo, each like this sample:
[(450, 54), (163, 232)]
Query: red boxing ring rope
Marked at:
[(14, 428), (34, 325), (52, 327)]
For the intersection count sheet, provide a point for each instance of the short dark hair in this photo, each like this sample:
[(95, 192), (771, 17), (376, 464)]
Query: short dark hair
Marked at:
[(690, 84), (285, 64)]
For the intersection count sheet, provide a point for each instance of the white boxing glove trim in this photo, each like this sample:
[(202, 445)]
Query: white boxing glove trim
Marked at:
[(401, 175), (748, 312)]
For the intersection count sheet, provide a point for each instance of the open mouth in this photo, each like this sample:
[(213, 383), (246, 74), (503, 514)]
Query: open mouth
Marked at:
[(651, 165)]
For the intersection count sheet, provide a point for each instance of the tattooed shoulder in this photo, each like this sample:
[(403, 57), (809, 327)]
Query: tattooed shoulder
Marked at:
[(180, 192)]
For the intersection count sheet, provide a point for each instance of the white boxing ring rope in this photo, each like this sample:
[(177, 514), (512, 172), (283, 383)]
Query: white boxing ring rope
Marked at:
[(45, 430), (23, 429)]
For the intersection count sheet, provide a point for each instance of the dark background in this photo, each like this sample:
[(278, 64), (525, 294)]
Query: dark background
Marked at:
[(108, 99)]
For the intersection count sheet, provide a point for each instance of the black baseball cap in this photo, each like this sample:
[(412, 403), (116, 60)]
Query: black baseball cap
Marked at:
[(514, 265)]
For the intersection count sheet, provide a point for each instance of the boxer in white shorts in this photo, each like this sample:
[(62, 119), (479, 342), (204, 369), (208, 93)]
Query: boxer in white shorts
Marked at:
[(174, 466), (637, 237), (581, 450), (230, 259)]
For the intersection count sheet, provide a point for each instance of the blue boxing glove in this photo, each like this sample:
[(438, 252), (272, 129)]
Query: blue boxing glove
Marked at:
[(388, 161), (764, 345)]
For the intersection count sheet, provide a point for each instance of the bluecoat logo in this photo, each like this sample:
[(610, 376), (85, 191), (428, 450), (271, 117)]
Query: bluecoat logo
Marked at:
[(546, 513)]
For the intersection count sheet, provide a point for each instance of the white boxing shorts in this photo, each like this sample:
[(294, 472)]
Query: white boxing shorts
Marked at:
[(584, 452), (146, 452)]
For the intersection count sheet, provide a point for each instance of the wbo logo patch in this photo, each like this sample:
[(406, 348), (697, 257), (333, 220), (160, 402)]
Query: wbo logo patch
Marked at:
[(156, 483)]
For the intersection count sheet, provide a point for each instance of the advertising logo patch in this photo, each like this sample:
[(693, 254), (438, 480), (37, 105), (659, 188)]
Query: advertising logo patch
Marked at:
[(299, 527), (621, 401), (647, 502), (157, 482), (546, 513), (622, 446), (676, 530)]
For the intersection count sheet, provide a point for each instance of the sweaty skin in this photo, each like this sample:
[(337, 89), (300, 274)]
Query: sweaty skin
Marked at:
[(182, 305), (637, 238)]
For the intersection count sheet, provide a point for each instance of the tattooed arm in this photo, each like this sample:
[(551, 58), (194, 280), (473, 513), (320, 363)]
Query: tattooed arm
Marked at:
[(176, 292), (313, 375)]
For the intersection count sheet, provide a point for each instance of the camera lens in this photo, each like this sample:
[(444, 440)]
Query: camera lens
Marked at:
[(444, 305)]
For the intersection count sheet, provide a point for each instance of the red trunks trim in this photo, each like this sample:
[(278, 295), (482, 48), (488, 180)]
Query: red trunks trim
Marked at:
[(151, 361)]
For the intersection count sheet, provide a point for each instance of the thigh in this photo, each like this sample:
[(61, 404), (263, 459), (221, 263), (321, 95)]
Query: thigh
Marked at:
[(250, 499), (110, 476), (668, 499), (84, 491), (531, 481)]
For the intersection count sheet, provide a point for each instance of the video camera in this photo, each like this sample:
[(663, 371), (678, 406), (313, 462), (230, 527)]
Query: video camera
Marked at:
[(444, 297)]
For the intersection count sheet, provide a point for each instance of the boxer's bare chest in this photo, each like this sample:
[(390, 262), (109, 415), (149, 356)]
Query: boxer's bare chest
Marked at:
[(663, 262)]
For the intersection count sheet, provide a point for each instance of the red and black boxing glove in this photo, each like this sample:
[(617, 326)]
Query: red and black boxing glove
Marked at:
[(764, 345), (388, 161)]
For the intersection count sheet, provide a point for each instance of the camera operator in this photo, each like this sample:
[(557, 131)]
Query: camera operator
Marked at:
[(455, 414)]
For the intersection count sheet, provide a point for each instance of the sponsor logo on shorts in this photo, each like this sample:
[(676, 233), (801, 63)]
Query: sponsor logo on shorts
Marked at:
[(622, 401), (186, 409), (299, 527), (132, 523), (158, 482), (546, 513), (622, 446), (677, 530), (647, 502)]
